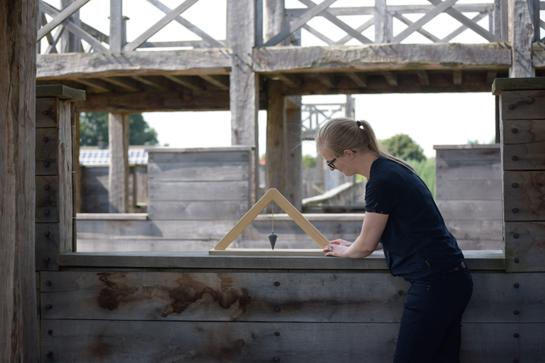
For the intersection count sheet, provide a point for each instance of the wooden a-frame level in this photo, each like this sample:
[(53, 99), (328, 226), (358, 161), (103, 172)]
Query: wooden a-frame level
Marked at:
[(271, 195)]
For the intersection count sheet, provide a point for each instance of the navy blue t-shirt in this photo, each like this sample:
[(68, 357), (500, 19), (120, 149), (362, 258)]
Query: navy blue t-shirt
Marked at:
[(416, 241)]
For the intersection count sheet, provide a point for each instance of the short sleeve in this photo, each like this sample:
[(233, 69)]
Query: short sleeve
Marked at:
[(380, 196)]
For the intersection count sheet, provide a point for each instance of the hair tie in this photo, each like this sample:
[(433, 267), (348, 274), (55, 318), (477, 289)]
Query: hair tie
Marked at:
[(360, 125)]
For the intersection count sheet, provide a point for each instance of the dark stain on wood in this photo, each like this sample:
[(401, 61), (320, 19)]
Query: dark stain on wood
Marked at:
[(115, 291), (190, 291)]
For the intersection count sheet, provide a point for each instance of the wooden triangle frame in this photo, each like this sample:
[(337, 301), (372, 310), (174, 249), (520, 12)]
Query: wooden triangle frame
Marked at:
[(271, 195)]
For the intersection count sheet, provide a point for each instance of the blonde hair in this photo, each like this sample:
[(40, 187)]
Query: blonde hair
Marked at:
[(340, 134)]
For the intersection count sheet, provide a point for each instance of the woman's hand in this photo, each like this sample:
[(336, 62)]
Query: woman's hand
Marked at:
[(337, 248)]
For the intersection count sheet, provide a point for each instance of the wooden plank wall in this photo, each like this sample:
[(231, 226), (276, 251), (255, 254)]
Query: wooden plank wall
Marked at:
[(469, 194), (198, 194), (94, 189), (523, 164), (264, 316)]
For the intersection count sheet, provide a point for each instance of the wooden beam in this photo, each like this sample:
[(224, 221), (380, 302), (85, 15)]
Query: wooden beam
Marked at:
[(149, 82), (244, 83), (118, 176), (390, 78), (90, 65), (92, 84), (299, 22), (149, 101), (288, 80), (457, 78), (324, 79), (521, 35), (117, 27), (210, 41), (171, 15), (120, 83), (423, 78), (358, 79), (382, 57), (18, 303), (293, 152), (215, 81), (185, 83), (62, 16), (275, 165)]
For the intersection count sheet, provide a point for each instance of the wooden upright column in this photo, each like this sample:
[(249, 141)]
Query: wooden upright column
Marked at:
[(293, 188), (118, 177), (18, 306), (244, 84), (521, 36), (522, 127), (276, 166)]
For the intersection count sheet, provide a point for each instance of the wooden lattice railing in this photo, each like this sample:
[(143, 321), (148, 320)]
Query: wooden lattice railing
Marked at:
[(384, 23), (62, 30)]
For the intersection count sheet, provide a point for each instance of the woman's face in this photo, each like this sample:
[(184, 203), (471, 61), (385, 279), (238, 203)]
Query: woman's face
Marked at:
[(340, 163)]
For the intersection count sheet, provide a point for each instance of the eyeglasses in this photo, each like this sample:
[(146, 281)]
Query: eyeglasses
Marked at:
[(331, 163)]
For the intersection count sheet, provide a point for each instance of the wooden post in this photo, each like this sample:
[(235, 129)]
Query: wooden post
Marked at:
[(293, 153), (276, 166), (383, 26), (244, 82), (18, 306), (69, 42), (117, 28), (521, 35), (118, 177)]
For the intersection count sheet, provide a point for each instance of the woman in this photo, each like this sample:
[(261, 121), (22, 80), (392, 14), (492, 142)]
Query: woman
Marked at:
[(402, 215)]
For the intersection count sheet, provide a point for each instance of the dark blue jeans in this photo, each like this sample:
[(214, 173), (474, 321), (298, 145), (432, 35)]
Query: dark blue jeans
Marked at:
[(431, 322)]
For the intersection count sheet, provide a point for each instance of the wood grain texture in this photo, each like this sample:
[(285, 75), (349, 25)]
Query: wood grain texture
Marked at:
[(331, 297), (524, 195), (524, 142), (124, 341), (523, 105), (118, 175), (382, 57), (525, 246), (47, 141), (65, 180), (18, 319), (46, 112)]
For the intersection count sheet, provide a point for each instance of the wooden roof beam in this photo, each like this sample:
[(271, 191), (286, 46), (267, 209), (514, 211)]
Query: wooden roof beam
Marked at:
[(150, 83), (119, 83), (358, 79), (457, 78), (390, 78), (289, 81), (215, 81), (324, 79), (423, 78), (184, 83), (97, 87)]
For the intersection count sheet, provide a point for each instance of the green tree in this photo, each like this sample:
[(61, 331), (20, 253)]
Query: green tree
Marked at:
[(94, 130), (404, 147)]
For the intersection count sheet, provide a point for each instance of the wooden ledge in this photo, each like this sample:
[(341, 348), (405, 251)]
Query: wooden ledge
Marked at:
[(517, 84), (477, 260)]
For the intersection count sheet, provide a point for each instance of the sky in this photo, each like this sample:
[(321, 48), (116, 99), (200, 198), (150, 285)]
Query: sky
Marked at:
[(430, 119)]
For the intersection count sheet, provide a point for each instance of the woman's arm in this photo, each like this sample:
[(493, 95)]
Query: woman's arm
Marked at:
[(367, 241)]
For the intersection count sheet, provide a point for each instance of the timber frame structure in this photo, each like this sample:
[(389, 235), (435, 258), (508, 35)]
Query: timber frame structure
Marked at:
[(261, 64), (57, 305)]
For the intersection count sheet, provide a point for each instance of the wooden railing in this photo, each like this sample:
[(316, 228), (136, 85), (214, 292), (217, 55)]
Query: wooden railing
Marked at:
[(62, 30)]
